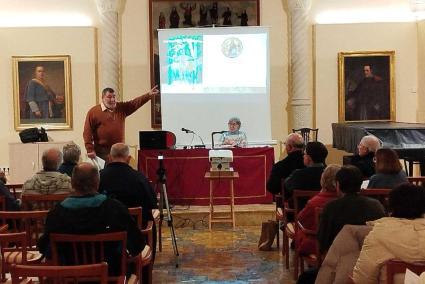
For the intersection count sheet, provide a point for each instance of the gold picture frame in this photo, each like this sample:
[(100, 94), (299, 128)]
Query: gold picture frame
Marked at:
[(188, 13), (366, 86), (42, 92)]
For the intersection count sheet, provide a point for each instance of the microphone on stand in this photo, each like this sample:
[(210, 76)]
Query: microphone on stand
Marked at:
[(187, 130), (194, 133)]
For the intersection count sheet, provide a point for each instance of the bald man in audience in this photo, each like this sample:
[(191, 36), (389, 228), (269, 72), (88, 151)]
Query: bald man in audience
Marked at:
[(281, 170), (366, 153), (120, 181), (49, 180)]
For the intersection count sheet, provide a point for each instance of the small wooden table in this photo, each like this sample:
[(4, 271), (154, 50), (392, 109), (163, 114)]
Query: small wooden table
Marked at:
[(216, 176)]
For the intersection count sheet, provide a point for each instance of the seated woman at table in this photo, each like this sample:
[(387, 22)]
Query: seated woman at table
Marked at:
[(389, 172), (233, 137)]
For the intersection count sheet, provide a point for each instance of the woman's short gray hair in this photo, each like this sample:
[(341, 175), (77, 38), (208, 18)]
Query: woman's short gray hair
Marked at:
[(236, 120), (71, 153)]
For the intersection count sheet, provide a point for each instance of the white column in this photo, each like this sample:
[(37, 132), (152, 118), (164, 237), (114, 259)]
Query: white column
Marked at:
[(301, 64), (109, 45)]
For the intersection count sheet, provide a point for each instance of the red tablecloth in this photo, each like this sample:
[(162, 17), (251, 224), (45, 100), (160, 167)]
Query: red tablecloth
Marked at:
[(185, 170)]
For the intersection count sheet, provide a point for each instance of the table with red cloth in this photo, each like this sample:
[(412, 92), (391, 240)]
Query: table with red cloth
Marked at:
[(186, 168)]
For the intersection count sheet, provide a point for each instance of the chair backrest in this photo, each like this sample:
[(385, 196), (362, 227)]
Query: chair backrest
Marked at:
[(30, 222), (2, 203), (15, 189), (417, 180), (308, 134), (94, 273), (395, 266), (136, 212), (300, 196), (41, 201), (381, 194), (69, 249), (13, 249)]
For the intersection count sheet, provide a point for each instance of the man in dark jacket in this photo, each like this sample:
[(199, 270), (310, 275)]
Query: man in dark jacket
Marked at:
[(308, 178), (120, 181), (281, 170), (352, 208), (88, 212)]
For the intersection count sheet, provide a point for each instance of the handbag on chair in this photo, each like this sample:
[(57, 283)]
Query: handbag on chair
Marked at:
[(268, 233)]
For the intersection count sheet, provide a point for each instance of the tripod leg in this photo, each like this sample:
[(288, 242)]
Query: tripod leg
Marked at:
[(161, 216), (170, 224)]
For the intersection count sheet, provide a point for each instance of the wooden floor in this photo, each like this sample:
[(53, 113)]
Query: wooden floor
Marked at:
[(222, 255)]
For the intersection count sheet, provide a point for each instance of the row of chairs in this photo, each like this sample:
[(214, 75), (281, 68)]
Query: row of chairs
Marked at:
[(290, 228), (26, 227)]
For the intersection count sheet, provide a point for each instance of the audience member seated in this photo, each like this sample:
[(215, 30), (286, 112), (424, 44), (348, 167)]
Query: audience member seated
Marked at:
[(315, 154), (389, 172), (120, 181), (281, 170), (88, 212), (351, 208), (49, 180), (400, 236), (234, 137), (307, 216), (366, 152), (11, 203), (71, 157)]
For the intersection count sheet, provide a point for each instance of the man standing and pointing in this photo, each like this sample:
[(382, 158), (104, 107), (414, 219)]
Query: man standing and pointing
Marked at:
[(105, 123)]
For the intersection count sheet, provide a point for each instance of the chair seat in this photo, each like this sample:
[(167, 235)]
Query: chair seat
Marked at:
[(279, 214), (290, 230), (16, 256), (156, 215), (146, 255)]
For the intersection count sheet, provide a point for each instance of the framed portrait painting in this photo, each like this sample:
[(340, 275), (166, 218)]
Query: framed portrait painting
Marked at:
[(366, 86), (42, 92), (169, 14)]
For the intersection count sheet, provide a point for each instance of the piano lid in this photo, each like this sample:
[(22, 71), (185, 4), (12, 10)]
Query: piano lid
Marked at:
[(395, 135)]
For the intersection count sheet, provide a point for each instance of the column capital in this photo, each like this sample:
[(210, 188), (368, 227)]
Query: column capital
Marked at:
[(296, 5), (105, 6)]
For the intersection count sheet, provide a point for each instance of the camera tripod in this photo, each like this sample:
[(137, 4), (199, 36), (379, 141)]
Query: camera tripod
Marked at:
[(164, 204)]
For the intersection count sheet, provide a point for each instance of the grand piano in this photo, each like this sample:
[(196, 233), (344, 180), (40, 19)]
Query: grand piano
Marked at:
[(407, 139)]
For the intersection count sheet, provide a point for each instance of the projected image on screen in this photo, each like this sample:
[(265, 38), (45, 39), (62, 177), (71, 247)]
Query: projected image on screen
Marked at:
[(184, 61), (215, 64)]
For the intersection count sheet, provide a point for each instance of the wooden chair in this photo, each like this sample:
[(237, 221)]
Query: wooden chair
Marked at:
[(316, 258), (279, 215), (41, 201), (70, 249), (2, 203), (95, 273), (136, 212), (395, 266), (146, 257), (297, 196), (16, 189), (30, 222), (88, 249), (12, 254), (381, 194), (289, 226), (417, 180), (308, 134)]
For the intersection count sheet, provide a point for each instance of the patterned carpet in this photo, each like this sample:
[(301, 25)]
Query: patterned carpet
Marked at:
[(220, 256)]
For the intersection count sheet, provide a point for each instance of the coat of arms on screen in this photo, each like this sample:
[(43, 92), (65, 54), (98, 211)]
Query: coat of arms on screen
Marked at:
[(232, 47)]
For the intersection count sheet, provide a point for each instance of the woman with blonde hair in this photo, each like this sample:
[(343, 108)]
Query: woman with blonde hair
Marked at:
[(307, 216)]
